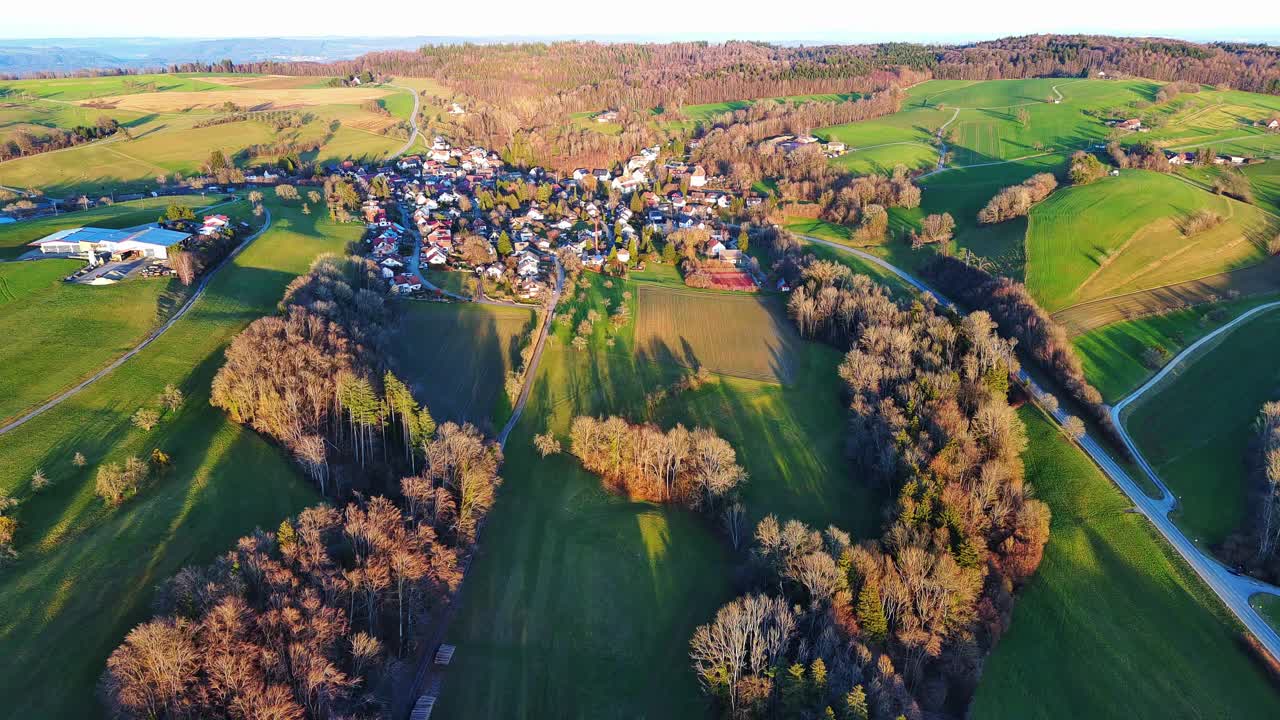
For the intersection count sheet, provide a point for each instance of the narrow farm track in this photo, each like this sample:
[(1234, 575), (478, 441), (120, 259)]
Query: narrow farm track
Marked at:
[(1260, 279), (1233, 590), (204, 283), (428, 679)]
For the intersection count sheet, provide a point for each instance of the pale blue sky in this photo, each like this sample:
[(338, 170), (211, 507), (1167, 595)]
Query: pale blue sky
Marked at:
[(717, 19)]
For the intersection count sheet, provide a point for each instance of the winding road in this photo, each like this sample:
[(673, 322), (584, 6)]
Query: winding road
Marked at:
[(1233, 590), (413, 121), (200, 288)]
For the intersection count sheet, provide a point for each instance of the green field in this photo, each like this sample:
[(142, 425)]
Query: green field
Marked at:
[(882, 160), (86, 573), (58, 333), (741, 335), (1122, 234), (456, 357), (163, 137), (709, 111), (582, 603), (1112, 354), (1114, 624), (1195, 427)]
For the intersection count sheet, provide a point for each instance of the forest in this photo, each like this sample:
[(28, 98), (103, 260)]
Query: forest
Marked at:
[(896, 626)]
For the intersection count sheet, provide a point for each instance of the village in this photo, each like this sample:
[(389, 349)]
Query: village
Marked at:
[(457, 223)]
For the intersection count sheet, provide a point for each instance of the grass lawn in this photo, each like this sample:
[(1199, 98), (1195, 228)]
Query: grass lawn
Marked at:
[(1112, 354), (454, 281), (58, 333), (456, 357), (86, 573), (15, 236), (1114, 624), (1268, 606), (1195, 426), (1122, 234), (582, 603), (883, 159)]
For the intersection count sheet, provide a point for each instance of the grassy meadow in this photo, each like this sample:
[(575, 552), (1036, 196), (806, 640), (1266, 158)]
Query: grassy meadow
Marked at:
[(1114, 623), (581, 603), (58, 333), (161, 113), (743, 335), (1122, 234), (1112, 354), (87, 572), (456, 357), (1195, 426)]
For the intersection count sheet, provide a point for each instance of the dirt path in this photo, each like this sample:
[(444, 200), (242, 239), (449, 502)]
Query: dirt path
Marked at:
[(204, 283), (1260, 279)]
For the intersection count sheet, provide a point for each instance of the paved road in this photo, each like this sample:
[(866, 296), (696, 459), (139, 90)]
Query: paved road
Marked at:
[(200, 288), (413, 121), (1233, 590)]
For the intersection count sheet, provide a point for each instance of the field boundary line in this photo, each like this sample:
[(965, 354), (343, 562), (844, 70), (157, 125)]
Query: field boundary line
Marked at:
[(155, 334)]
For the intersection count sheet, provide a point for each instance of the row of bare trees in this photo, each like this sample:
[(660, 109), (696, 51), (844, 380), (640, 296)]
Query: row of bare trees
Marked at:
[(1021, 317), (898, 625), (695, 468), (1016, 201), (1256, 546)]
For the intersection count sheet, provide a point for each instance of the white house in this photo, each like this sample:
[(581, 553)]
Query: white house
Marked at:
[(527, 265), (433, 255)]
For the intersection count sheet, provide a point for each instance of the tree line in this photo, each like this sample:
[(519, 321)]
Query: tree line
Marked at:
[(1016, 201), (23, 143), (1256, 547), (315, 619), (897, 625), (1020, 316)]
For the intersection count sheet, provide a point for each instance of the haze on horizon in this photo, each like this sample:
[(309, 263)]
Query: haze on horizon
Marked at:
[(820, 20)]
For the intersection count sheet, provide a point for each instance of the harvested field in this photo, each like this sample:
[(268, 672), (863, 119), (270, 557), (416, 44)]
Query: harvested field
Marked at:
[(253, 99), (745, 336), (1260, 279), (264, 82)]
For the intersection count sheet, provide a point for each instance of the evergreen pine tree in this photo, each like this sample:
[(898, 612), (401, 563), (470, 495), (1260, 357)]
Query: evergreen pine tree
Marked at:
[(504, 244), (855, 705), (870, 612), (793, 691), (817, 685), (286, 536)]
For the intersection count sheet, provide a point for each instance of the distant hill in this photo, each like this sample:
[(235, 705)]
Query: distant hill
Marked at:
[(19, 57)]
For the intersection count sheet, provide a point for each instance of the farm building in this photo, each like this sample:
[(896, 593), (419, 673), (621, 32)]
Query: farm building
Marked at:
[(149, 240)]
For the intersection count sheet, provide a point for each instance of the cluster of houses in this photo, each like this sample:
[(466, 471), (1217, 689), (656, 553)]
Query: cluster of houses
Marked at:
[(1191, 158), (436, 204), (788, 144)]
